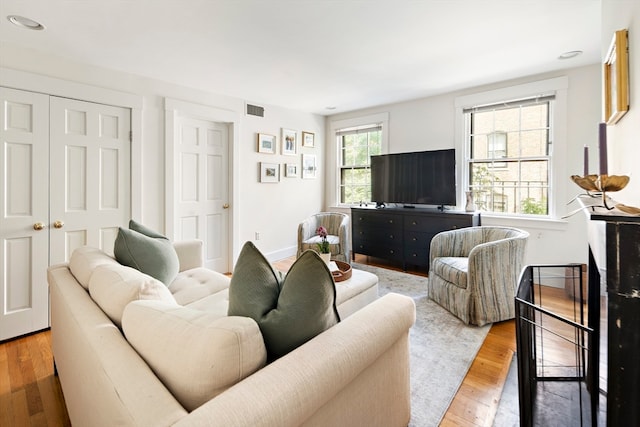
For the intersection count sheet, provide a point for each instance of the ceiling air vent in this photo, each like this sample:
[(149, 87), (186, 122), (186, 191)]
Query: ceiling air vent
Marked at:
[(255, 110)]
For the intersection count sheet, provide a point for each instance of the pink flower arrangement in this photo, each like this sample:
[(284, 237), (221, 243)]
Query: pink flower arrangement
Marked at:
[(323, 246)]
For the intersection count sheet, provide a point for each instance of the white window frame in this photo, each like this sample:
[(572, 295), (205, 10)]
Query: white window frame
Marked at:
[(334, 148), (558, 122)]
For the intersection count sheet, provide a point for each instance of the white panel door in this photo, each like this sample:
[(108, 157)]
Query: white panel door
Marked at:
[(24, 199), (201, 187), (90, 175)]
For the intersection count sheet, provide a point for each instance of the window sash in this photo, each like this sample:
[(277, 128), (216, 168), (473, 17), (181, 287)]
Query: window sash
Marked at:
[(524, 102), (349, 166), (511, 192)]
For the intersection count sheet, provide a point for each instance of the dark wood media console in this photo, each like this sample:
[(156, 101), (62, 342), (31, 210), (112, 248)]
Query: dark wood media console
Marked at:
[(403, 235)]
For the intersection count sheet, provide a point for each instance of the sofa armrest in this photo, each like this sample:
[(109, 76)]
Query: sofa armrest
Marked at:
[(104, 381), (357, 370), (190, 253)]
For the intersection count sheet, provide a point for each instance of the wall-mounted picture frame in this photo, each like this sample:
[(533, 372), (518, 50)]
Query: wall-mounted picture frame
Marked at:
[(266, 143), (269, 172), (308, 139), (290, 170), (289, 142), (616, 78), (308, 166)]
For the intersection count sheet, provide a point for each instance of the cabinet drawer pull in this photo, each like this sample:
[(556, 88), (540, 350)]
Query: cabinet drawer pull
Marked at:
[(391, 236), (390, 221), (391, 251), (414, 223), (414, 239)]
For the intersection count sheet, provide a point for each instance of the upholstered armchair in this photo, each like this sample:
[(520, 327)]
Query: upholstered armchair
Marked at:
[(474, 272), (338, 227)]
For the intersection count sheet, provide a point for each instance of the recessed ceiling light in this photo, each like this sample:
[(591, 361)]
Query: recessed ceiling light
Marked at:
[(570, 54), (330, 107), (23, 22)]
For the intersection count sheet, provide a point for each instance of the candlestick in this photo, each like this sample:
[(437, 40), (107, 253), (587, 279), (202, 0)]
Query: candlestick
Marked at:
[(586, 160), (603, 148)]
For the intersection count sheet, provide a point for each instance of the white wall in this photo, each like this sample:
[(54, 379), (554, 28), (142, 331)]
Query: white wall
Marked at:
[(429, 124), (623, 138), (273, 210)]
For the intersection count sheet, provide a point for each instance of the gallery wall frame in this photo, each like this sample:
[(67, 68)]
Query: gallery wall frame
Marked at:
[(308, 166), (269, 172), (289, 142), (616, 78), (308, 139), (291, 170), (266, 143)]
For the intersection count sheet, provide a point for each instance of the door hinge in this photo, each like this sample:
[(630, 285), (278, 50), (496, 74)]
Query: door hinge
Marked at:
[(130, 136)]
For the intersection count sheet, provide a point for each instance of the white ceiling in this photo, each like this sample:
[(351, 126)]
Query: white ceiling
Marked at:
[(311, 54)]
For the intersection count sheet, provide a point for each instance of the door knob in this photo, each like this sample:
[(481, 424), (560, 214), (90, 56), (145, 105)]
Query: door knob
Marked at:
[(225, 206), (38, 226), (58, 224)]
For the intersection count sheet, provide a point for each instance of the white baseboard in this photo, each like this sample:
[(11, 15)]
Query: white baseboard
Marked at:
[(281, 254)]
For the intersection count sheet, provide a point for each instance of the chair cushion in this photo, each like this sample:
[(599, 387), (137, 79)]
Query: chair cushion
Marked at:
[(197, 355), (289, 311), (147, 251), (113, 286), (452, 269), (312, 243)]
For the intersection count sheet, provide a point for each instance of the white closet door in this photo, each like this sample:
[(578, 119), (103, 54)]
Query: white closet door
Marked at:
[(24, 199), (90, 175), (201, 187)]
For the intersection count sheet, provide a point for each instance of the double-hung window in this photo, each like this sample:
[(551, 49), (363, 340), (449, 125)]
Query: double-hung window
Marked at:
[(509, 149), (356, 145)]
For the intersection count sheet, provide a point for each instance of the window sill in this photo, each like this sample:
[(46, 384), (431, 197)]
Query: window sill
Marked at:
[(525, 222)]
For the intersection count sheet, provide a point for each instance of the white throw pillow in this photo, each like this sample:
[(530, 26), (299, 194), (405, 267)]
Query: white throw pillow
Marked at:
[(113, 286), (197, 355)]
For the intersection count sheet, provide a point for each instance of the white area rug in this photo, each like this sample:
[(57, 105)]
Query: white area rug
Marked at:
[(442, 347)]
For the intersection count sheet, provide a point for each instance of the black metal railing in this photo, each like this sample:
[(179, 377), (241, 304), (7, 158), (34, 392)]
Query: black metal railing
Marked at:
[(557, 346)]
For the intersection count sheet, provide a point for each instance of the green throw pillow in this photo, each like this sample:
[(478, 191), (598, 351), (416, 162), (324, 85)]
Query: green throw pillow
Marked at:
[(289, 311), (254, 285), (147, 251)]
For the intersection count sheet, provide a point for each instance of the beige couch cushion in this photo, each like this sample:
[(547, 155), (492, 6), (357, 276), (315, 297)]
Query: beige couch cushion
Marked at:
[(84, 260), (113, 286), (197, 355), (197, 283)]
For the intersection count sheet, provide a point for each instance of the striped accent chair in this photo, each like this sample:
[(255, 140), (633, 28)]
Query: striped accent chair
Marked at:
[(474, 272), (338, 227)]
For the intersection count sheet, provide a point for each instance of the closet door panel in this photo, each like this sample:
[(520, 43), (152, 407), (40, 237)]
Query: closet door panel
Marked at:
[(90, 154), (24, 203)]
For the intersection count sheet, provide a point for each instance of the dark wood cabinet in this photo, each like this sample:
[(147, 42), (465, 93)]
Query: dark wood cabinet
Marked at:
[(403, 234)]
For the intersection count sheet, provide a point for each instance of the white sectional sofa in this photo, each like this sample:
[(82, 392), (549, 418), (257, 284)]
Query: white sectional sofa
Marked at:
[(183, 346)]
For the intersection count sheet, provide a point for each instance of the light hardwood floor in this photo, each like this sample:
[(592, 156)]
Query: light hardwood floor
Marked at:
[(30, 394)]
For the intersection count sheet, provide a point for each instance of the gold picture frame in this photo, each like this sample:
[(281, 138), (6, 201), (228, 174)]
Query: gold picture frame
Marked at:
[(616, 78), (266, 143), (308, 139)]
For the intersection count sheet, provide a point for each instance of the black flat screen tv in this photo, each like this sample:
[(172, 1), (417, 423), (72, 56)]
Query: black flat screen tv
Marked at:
[(418, 178)]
